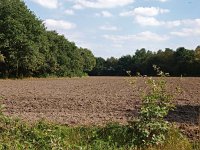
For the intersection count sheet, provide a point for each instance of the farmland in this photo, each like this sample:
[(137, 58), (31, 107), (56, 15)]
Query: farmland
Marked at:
[(96, 100)]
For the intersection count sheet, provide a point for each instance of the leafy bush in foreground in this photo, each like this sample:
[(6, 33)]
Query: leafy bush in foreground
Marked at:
[(15, 134), (151, 127)]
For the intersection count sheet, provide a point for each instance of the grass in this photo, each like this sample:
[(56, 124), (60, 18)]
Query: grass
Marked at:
[(15, 134)]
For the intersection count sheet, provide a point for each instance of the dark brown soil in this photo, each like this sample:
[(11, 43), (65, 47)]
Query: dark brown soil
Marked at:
[(96, 100)]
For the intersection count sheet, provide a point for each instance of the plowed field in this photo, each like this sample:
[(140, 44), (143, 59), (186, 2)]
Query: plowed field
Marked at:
[(95, 100)]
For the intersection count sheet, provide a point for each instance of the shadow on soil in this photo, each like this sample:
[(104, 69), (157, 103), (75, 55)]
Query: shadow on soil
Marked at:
[(182, 114), (185, 114)]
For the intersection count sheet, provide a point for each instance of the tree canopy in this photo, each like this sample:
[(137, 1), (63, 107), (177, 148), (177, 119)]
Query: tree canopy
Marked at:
[(28, 49), (182, 61)]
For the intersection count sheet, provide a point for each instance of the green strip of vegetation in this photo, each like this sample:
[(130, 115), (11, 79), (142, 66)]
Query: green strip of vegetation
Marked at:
[(18, 135), (182, 61)]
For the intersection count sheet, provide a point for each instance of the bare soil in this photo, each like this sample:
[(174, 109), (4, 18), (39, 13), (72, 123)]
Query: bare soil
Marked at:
[(96, 100)]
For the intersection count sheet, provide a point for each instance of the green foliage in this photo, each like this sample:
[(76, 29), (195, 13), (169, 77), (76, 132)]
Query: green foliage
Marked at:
[(180, 62), (89, 60), (197, 53), (1, 58), (43, 135), (151, 128), (20, 39), (99, 68), (30, 50)]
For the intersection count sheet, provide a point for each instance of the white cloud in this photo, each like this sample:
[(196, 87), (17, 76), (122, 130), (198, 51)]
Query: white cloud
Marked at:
[(152, 21), (149, 11), (191, 22), (191, 28), (109, 28), (147, 21), (171, 24), (150, 36), (145, 11), (185, 32), (52, 4), (69, 12), (143, 36), (145, 16), (52, 24), (101, 3), (104, 14)]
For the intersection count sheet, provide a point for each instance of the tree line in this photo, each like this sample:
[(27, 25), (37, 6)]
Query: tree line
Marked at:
[(28, 49), (182, 61)]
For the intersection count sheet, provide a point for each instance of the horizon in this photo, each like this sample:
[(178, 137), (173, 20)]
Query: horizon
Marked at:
[(120, 27)]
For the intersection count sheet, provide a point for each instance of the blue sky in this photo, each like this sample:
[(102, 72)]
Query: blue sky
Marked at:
[(119, 27)]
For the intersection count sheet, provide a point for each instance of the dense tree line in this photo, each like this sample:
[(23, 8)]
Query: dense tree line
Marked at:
[(179, 62), (28, 49)]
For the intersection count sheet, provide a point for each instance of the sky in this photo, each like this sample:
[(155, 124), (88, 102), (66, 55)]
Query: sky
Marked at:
[(120, 27)]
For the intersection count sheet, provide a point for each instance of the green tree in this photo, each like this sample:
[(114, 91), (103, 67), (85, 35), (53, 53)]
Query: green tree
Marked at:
[(88, 58), (184, 60), (125, 63), (196, 65), (164, 59), (197, 53), (58, 58), (21, 36), (111, 66), (1, 57), (141, 58), (99, 68)]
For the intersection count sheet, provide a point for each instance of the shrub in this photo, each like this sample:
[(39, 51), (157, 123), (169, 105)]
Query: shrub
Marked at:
[(151, 128)]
